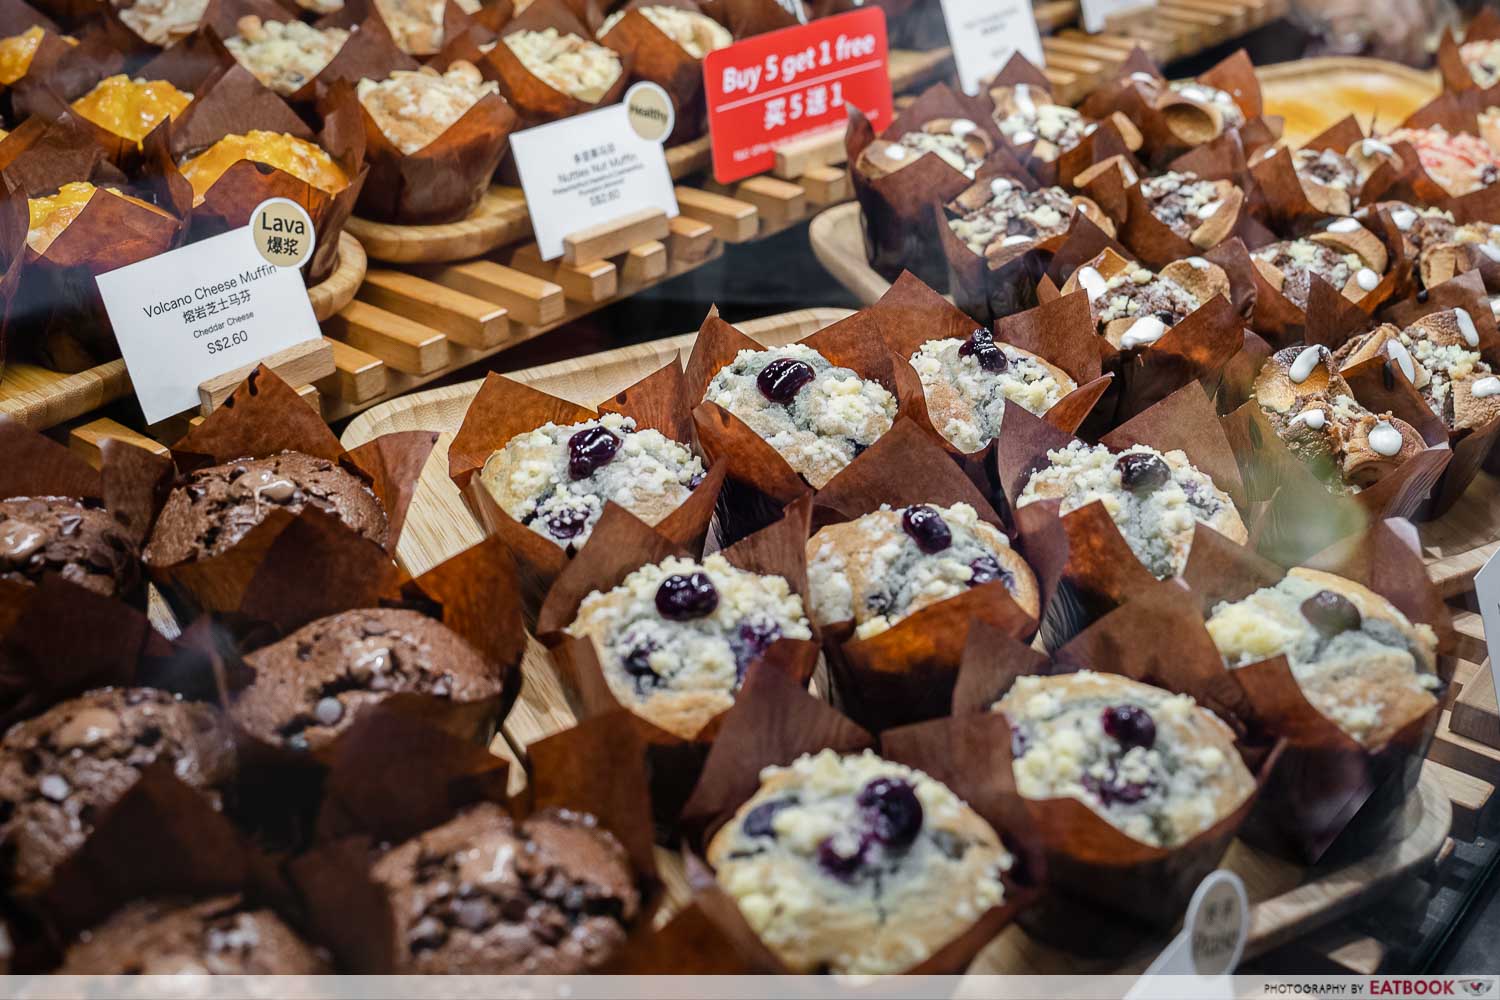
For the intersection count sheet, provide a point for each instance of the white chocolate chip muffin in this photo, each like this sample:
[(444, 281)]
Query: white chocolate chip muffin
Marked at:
[(958, 142), (416, 25), (557, 479), (1134, 306), (162, 22), (1200, 211), (1220, 100), (413, 108), (1026, 116), (967, 384), (999, 214), (1439, 356), (1155, 765), (856, 865), (1155, 498), (697, 34), (818, 416), (1358, 659), (1346, 255), (567, 63), (1450, 250), (883, 567), (675, 638), (284, 55)]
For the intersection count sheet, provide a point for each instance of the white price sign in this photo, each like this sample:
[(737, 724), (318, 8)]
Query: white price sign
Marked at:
[(211, 307), (1097, 12), (985, 33), (583, 171), (1211, 943)]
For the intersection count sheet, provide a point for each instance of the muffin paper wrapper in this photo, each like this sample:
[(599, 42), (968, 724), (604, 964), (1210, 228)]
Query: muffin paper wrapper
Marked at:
[(625, 544), (596, 767), (746, 18), (536, 102), (774, 721), (1484, 26), (655, 56), (504, 409)]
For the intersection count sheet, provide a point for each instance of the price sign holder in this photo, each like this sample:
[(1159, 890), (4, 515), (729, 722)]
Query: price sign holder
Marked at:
[(1211, 943)]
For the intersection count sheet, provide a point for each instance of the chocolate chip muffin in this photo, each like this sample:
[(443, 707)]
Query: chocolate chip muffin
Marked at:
[(675, 638), (1133, 306), (64, 768), (484, 895), (223, 936), (557, 479), (1358, 659), (82, 543), (1199, 210), (999, 216), (1439, 355), (309, 686), (1155, 498), (216, 507), (1154, 765), (883, 567), (851, 864)]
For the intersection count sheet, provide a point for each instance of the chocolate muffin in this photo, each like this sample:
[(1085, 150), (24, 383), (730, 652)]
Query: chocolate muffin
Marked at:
[(309, 686), (61, 770), (84, 544), (484, 895), (1345, 254), (222, 936), (218, 506)]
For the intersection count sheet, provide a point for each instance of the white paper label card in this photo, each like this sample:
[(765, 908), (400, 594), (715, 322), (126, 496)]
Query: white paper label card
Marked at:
[(196, 312), (586, 170), (985, 33), (1097, 12), (1487, 590), (1211, 943)]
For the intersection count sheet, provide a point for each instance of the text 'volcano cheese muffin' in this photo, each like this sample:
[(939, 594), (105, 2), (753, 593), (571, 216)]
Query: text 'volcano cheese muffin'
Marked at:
[(967, 384), (1358, 659), (308, 688), (50, 215), (851, 864), (304, 160), (958, 142), (998, 215), (413, 107), (674, 639), (567, 63), (696, 33), (818, 416), (218, 506), (284, 55), (224, 936), (1439, 356), (1133, 306), (83, 544), (131, 108), (1155, 498), (1154, 765), (485, 895), (557, 479), (62, 770), (889, 564)]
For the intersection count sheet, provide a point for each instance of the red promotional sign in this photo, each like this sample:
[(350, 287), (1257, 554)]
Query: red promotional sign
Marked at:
[(773, 88)]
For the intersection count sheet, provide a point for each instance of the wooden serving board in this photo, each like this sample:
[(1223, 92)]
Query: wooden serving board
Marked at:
[(1312, 94)]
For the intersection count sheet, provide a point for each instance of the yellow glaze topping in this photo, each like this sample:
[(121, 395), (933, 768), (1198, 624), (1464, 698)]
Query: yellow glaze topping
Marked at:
[(51, 214), (131, 108), (298, 157), (16, 53)]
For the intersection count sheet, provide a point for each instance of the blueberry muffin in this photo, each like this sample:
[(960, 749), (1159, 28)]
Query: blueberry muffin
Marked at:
[(485, 895), (1345, 254), (818, 416), (308, 687), (856, 865), (223, 936), (1133, 306), (883, 567), (958, 142), (81, 543), (1155, 498), (998, 216), (557, 479), (567, 63), (967, 384), (1028, 117), (1312, 408), (60, 771), (1439, 355), (214, 508), (284, 55), (1200, 211), (1154, 765), (1358, 659), (675, 638)]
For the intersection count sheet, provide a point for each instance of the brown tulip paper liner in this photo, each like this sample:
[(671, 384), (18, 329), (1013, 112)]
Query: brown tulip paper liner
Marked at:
[(656, 57), (504, 409), (774, 722), (624, 544), (758, 481), (746, 18), (1330, 796), (1152, 240), (901, 230), (366, 16), (536, 102), (234, 103), (1330, 318), (1484, 27), (1454, 112), (63, 76), (290, 570), (595, 768), (906, 674), (1081, 558)]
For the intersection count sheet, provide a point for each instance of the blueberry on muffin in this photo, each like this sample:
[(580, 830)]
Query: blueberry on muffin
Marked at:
[(1358, 659), (1133, 306), (1199, 210), (675, 638), (818, 416), (1439, 355), (998, 216), (84, 544), (1155, 498), (851, 864), (889, 564), (485, 895), (967, 384), (1345, 254), (557, 479), (1154, 765)]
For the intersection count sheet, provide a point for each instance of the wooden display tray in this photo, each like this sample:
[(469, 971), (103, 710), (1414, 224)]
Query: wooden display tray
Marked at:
[(1312, 94), (1287, 900), (41, 398)]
